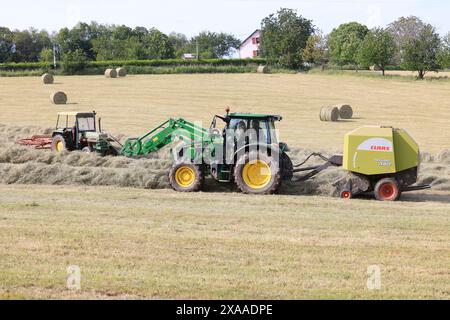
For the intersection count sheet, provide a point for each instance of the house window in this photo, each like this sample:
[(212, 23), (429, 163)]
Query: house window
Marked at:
[(255, 40), (255, 53)]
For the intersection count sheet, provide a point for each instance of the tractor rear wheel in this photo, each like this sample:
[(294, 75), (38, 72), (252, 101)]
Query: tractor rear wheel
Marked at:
[(186, 177), (59, 143), (387, 189), (258, 173)]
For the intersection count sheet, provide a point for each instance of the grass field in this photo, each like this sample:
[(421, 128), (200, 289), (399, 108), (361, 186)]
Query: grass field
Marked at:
[(135, 104), (135, 243), (139, 244)]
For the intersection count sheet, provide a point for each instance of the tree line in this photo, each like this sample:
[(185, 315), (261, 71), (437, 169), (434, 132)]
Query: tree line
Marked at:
[(288, 40), (291, 41), (95, 41)]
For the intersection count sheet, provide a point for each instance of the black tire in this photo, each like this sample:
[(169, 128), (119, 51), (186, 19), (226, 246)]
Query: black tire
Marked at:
[(176, 177), (59, 144), (287, 168), (387, 189), (266, 187)]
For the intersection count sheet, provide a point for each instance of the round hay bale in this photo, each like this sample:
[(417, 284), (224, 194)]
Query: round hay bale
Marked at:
[(329, 113), (121, 72), (47, 78), (322, 113), (345, 111), (333, 114), (263, 69), (111, 73), (58, 97)]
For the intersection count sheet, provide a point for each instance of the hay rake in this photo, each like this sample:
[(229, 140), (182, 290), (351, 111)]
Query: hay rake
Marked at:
[(41, 142)]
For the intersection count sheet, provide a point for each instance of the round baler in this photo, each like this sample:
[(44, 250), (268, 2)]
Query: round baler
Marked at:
[(384, 160)]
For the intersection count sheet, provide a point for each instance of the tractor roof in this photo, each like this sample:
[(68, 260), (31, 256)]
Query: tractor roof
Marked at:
[(255, 115), (74, 113)]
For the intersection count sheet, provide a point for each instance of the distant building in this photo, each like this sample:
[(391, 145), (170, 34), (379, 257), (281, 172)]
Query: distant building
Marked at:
[(188, 56), (249, 48)]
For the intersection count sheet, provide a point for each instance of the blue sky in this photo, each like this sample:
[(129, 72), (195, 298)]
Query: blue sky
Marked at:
[(239, 17)]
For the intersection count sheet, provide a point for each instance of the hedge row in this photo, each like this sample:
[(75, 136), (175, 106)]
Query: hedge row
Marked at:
[(137, 63)]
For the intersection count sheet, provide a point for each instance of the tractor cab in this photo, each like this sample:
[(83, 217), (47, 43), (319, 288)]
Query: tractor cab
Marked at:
[(78, 131), (247, 128)]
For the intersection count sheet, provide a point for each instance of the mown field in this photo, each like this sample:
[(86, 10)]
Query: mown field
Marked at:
[(152, 244), (135, 104), (133, 243)]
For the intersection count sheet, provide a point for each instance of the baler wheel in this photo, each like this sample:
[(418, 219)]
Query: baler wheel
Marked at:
[(387, 189)]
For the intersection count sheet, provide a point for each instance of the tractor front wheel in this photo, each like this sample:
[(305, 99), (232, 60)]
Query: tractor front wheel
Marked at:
[(59, 143), (186, 177), (387, 189), (258, 173)]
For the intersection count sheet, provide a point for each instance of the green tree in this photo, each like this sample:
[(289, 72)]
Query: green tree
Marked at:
[(444, 52), (179, 43), (403, 30), (421, 53), (284, 36), (46, 55), (74, 61), (6, 44), (28, 45), (79, 38), (378, 48), (213, 45), (158, 46), (344, 43), (316, 51)]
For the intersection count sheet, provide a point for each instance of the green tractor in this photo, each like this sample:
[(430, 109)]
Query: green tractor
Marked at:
[(238, 147), (78, 131), (244, 149)]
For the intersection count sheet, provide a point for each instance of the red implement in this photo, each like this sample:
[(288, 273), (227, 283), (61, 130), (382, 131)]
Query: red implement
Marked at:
[(39, 142)]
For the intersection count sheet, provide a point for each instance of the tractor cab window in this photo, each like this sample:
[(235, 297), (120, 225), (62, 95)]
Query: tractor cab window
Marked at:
[(262, 130), (239, 126), (273, 132), (86, 124), (256, 130)]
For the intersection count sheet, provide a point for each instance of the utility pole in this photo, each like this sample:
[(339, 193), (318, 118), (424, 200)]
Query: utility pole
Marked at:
[(196, 45), (54, 56)]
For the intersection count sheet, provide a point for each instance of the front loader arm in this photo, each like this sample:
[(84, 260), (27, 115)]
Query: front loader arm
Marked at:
[(162, 136)]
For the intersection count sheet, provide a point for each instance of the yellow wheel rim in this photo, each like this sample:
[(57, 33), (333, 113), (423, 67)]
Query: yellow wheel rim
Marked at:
[(185, 176), (59, 146), (256, 174)]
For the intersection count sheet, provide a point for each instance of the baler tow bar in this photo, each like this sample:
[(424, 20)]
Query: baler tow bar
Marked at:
[(333, 161)]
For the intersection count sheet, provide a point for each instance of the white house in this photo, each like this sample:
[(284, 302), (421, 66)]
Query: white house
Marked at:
[(250, 47)]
